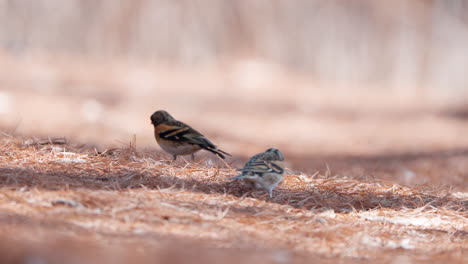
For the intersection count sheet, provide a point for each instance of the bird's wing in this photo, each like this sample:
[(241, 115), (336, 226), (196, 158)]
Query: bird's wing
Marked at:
[(180, 132), (263, 166), (177, 131)]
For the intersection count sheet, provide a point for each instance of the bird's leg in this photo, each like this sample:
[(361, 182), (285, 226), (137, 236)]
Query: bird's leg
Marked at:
[(174, 157), (193, 157)]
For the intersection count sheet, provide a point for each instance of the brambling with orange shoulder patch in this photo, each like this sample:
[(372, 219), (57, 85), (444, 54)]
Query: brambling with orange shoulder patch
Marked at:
[(178, 138)]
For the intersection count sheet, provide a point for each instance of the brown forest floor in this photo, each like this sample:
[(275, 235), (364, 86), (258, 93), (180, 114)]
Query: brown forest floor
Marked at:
[(67, 204), (373, 177)]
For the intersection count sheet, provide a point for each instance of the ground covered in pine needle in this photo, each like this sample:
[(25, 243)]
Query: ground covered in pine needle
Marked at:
[(66, 203)]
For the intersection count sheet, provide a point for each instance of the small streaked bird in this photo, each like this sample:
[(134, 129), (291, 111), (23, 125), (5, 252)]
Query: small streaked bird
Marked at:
[(264, 170), (177, 138)]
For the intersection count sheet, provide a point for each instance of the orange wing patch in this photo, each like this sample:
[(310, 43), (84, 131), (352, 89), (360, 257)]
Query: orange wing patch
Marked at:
[(164, 127)]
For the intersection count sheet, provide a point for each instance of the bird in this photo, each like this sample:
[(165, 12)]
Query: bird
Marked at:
[(178, 138), (264, 170)]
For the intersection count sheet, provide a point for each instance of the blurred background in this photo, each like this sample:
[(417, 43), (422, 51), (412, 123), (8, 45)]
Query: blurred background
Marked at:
[(358, 88)]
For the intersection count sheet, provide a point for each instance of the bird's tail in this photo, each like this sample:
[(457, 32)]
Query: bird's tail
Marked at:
[(238, 177), (216, 151)]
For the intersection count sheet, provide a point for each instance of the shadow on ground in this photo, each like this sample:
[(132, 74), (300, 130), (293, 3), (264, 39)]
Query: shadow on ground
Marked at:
[(341, 195)]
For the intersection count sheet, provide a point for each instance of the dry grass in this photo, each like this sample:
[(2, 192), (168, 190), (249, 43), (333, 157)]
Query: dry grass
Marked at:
[(67, 203), (368, 106), (359, 134)]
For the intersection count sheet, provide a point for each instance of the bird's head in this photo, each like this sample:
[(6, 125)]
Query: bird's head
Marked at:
[(276, 153), (159, 117)]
